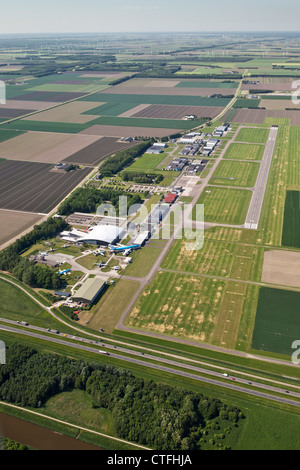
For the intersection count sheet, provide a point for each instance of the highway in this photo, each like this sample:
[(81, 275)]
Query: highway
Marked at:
[(255, 207), (228, 382)]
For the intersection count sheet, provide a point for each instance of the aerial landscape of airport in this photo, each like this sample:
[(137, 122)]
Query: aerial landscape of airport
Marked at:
[(150, 241)]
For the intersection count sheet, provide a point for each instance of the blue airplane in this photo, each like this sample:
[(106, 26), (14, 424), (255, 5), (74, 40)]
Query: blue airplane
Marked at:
[(123, 248), (65, 271)]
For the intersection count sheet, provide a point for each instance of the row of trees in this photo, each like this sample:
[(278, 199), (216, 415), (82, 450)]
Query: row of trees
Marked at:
[(143, 178), (112, 165), (154, 414), (88, 199)]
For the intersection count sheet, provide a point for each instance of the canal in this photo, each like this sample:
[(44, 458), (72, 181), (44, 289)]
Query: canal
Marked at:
[(38, 437)]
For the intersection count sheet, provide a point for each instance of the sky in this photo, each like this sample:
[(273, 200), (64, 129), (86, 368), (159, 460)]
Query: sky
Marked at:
[(101, 16)]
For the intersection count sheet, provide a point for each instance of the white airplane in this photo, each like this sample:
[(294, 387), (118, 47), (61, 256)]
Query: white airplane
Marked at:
[(123, 248)]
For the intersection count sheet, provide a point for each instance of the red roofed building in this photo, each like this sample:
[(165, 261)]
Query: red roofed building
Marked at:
[(170, 198)]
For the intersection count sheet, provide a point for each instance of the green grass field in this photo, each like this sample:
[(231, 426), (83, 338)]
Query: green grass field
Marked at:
[(178, 305), (16, 305), (231, 173), (143, 260), (253, 135), (107, 312), (277, 320), (291, 221), (24, 125), (245, 151), (147, 162), (224, 206)]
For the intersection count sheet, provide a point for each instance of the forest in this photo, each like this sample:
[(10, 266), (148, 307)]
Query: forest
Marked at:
[(144, 411)]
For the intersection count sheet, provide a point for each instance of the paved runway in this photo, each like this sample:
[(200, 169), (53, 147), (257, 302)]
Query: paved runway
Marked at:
[(254, 211)]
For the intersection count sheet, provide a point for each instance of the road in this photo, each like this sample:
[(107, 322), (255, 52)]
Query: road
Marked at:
[(229, 383), (255, 207)]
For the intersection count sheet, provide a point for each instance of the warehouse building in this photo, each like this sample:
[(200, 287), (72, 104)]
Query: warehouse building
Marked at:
[(142, 238), (159, 213), (153, 149), (90, 290)]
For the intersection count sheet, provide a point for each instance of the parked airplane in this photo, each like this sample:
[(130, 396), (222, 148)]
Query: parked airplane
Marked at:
[(123, 248), (65, 271)]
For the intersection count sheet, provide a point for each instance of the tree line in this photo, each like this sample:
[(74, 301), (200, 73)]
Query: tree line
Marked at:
[(151, 413), (117, 162), (32, 274), (140, 177), (88, 199)]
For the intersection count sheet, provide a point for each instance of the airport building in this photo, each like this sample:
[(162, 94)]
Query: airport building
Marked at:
[(90, 290), (98, 235)]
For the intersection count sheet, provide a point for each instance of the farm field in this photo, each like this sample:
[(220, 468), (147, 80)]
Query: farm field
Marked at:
[(143, 122), (224, 205), (291, 221), (44, 147), (7, 134), (35, 187), (206, 84), (13, 223), (94, 153), (178, 112), (52, 97), (275, 86), (233, 173), (282, 268), (222, 259), (278, 104), (7, 113), (260, 116), (246, 103), (70, 113), (245, 151), (129, 131), (159, 88), (277, 320), (164, 98), (41, 126), (29, 106), (253, 135), (71, 87)]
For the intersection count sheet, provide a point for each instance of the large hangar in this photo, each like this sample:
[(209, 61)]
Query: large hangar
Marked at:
[(98, 235)]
